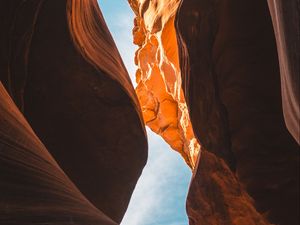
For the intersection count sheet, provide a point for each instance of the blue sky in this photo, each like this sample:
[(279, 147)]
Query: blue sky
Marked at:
[(159, 196)]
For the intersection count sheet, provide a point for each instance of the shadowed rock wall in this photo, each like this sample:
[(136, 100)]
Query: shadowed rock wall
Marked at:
[(33, 188), (286, 23), (231, 80), (228, 69), (62, 68)]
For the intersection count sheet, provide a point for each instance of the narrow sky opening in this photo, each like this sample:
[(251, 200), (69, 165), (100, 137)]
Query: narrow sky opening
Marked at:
[(160, 194)]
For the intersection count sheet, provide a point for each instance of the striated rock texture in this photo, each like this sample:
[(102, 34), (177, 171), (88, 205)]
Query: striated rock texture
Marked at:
[(33, 188), (60, 65), (231, 80), (216, 197), (249, 170), (158, 76), (286, 23)]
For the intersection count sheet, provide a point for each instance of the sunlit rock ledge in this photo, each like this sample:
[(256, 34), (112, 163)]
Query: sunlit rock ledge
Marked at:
[(158, 76)]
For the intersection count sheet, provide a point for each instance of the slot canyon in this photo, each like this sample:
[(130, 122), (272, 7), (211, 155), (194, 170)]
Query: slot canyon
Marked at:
[(218, 80)]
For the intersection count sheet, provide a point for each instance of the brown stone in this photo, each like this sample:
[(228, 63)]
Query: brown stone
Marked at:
[(208, 73), (231, 80), (62, 68), (33, 188)]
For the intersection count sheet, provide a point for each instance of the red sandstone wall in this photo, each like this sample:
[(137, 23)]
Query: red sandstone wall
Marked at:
[(158, 76)]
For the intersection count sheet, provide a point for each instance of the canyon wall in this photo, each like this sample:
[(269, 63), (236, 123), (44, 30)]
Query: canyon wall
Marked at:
[(286, 23), (158, 76), (225, 59), (33, 188), (231, 80), (72, 136), (60, 65)]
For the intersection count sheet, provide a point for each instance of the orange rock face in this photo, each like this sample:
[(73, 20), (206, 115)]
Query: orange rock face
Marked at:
[(158, 76)]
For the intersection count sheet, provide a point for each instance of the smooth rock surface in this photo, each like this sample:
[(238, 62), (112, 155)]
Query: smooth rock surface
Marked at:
[(231, 80), (286, 23), (33, 188), (62, 68)]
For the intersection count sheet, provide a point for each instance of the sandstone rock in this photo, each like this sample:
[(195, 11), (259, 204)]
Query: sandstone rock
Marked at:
[(62, 68), (217, 197), (286, 23), (219, 68), (231, 82), (158, 76), (33, 188)]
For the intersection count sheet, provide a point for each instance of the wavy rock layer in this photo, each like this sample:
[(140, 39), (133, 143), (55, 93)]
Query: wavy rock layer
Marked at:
[(62, 68), (33, 188), (231, 80), (286, 23), (158, 76)]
